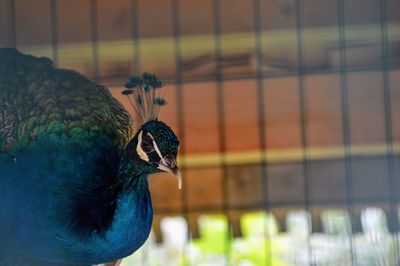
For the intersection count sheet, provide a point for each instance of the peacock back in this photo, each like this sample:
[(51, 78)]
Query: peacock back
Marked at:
[(37, 99)]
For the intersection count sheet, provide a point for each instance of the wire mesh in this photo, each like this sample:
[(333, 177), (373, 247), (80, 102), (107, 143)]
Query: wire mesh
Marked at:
[(345, 120), (261, 124), (303, 119), (220, 76)]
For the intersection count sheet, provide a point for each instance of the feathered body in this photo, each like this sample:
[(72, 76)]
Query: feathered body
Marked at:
[(70, 189)]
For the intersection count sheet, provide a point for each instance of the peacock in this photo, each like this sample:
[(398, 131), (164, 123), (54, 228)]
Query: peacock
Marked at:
[(73, 168)]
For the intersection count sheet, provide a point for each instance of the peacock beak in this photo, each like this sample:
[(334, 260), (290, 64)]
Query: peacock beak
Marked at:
[(168, 164)]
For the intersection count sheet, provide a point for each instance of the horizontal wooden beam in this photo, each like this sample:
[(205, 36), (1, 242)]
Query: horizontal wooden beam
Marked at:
[(284, 155), (320, 49)]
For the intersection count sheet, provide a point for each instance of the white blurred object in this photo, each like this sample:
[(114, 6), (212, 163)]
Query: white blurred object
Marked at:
[(296, 239), (298, 223), (373, 245), (336, 222), (175, 240), (305, 248), (175, 244), (374, 224)]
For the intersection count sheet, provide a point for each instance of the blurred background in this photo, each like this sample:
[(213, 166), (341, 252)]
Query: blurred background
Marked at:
[(288, 113)]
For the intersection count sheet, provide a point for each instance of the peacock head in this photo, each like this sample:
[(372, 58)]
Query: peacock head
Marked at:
[(155, 145)]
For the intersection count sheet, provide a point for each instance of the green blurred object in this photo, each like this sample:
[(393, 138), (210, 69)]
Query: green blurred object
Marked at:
[(257, 245), (214, 237), (253, 249)]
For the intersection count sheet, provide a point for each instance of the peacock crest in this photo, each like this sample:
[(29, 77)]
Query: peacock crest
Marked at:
[(141, 92)]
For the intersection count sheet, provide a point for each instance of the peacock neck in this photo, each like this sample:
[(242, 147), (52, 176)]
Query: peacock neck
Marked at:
[(132, 173)]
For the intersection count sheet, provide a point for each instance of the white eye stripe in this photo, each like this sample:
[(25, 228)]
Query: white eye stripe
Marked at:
[(156, 147), (139, 149)]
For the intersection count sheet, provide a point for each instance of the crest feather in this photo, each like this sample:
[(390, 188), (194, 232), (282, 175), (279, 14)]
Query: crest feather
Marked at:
[(141, 93)]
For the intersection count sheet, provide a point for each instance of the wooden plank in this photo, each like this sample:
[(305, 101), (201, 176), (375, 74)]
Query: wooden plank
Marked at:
[(157, 55)]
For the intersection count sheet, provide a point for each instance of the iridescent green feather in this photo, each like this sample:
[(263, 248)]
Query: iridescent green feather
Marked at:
[(37, 99)]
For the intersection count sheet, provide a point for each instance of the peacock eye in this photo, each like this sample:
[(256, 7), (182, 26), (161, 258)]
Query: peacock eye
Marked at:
[(147, 147)]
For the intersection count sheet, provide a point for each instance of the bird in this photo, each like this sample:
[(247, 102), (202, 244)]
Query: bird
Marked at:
[(74, 164)]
